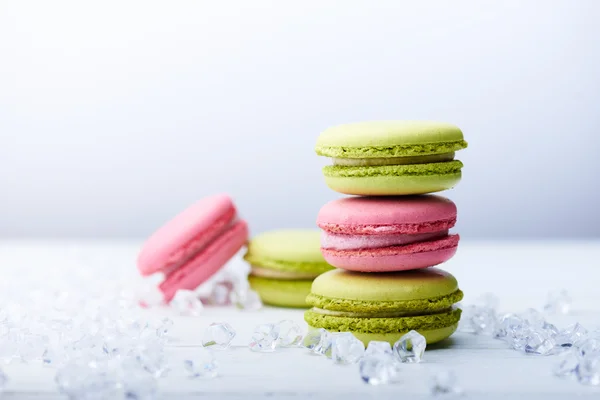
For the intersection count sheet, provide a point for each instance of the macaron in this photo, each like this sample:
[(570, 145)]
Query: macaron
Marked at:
[(382, 234), (194, 245), (391, 157), (283, 265), (385, 306)]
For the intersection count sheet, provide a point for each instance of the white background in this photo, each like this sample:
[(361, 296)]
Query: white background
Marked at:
[(116, 115)]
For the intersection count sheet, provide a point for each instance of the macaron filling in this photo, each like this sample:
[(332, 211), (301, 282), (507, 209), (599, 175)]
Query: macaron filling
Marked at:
[(429, 169), (419, 306), (390, 314), (383, 325), (355, 162), (279, 274), (402, 150), (337, 241)]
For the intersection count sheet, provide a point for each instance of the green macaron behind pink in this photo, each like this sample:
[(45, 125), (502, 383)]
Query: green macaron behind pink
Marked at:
[(383, 234), (194, 245)]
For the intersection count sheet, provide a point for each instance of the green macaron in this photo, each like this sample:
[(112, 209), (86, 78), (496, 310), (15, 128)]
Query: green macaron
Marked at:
[(385, 306), (284, 264), (391, 157)]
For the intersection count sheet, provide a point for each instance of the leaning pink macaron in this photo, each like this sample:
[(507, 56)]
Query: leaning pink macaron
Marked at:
[(380, 234), (194, 245)]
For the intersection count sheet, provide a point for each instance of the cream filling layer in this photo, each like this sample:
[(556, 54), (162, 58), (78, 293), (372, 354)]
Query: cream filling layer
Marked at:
[(364, 162), (276, 274), (355, 242), (394, 314)]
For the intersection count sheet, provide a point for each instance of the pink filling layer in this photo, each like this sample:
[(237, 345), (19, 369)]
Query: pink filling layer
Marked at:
[(336, 241), (407, 229)]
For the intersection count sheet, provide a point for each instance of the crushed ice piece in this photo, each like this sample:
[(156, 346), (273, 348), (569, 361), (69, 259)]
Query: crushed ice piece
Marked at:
[(533, 317), (264, 338), (567, 365), (571, 335), (558, 302), (164, 327), (507, 325), (410, 347), (378, 369), (377, 347), (480, 320), (218, 336), (87, 382), (347, 349), (3, 381), (220, 294), (444, 383), (588, 370), (290, 334), (187, 303), (202, 364), (246, 299), (539, 342), (317, 340)]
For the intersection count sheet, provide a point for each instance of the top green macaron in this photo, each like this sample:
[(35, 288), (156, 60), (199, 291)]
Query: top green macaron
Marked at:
[(392, 157), (288, 251)]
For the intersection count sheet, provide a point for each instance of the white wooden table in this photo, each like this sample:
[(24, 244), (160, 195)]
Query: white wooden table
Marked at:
[(520, 273)]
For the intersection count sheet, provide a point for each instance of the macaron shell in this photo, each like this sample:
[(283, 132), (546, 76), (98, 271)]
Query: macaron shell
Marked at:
[(392, 185), (431, 335), (281, 293), (420, 214), (395, 258), (294, 245), (389, 138), (207, 262), (394, 326), (185, 234), (392, 286)]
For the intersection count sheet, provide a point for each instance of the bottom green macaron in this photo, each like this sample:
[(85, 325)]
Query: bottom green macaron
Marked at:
[(282, 293), (385, 306)]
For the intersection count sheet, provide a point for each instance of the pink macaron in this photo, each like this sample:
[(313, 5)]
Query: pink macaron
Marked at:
[(194, 245), (379, 234)]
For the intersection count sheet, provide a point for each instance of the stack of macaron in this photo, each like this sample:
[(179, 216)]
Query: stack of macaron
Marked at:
[(385, 242)]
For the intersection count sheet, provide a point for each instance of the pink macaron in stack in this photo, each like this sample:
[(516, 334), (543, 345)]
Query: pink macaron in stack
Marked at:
[(194, 245)]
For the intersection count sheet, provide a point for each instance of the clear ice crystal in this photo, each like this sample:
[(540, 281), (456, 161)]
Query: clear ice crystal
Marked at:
[(187, 303), (220, 294), (3, 381), (508, 324), (410, 347), (539, 342), (316, 340), (87, 382), (202, 365), (138, 384), (558, 302), (571, 336), (376, 347), (264, 338), (482, 320), (589, 345), (290, 334), (378, 369), (347, 349), (567, 365), (588, 370), (444, 383), (533, 317), (164, 327), (218, 336), (246, 299)]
